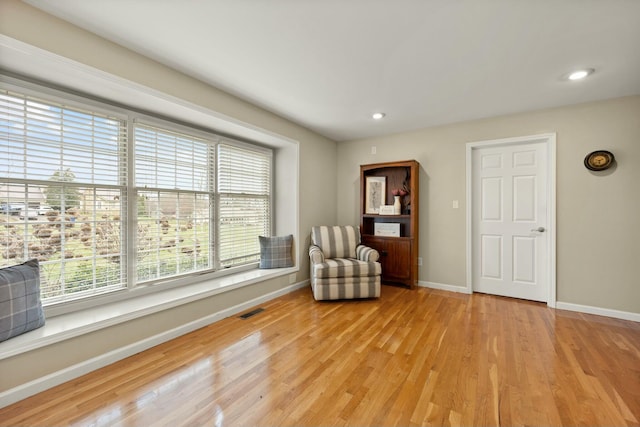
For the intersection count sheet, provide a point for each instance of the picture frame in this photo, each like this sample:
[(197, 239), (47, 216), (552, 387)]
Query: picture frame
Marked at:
[(375, 194)]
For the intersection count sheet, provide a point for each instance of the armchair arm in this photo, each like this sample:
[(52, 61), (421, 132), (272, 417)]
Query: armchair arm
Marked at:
[(315, 254), (365, 253)]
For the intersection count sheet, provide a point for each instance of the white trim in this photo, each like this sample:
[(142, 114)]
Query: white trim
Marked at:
[(469, 220), (23, 391), (599, 311), (551, 215), (444, 287), (36, 63), (23, 58), (550, 140), (91, 319)]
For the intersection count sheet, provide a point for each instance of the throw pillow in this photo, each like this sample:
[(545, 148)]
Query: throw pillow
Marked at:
[(275, 252), (20, 305)]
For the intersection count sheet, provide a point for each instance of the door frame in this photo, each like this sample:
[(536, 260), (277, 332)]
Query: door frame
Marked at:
[(550, 140)]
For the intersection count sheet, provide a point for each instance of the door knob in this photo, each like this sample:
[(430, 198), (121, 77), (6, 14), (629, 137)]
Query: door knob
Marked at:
[(539, 229)]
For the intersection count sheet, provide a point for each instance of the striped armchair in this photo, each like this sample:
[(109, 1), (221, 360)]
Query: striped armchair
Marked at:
[(342, 268)]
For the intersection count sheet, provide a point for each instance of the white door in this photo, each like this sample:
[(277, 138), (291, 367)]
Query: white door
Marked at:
[(510, 219)]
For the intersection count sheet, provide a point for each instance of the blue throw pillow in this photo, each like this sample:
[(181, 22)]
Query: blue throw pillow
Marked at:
[(275, 252), (20, 305)]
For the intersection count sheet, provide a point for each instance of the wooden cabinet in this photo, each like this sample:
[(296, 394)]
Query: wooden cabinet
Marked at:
[(395, 254), (398, 253)]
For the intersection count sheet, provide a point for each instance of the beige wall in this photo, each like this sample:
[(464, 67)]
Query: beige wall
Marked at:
[(598, 214), (317, 203), (598, 227)]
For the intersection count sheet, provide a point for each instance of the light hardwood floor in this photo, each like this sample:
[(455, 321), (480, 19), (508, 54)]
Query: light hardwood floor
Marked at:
[(421, 357)]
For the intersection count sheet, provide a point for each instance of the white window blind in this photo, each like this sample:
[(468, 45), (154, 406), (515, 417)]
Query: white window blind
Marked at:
[(70, 178), (244, 186), (62, 177), (174, 183)]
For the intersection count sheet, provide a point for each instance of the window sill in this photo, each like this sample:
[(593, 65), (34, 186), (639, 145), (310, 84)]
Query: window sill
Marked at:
[(65, 326)]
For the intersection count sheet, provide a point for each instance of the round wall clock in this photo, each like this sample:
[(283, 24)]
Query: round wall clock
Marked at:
[(599, 160)]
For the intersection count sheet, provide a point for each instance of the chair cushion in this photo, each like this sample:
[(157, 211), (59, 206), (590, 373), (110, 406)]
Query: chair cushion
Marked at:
[(20, 304), (346, 267), (275, 252), (336, 241)]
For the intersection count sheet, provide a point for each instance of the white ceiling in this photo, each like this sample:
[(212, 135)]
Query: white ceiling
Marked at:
[(329, 64)]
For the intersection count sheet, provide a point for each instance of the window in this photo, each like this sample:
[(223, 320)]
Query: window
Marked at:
[(109, 199), (244, 180), (175, 191), (59, 164)]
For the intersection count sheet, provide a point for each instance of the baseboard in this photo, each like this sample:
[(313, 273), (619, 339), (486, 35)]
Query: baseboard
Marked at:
[(23, 391), (443, 287), (617, 314), (624, 315)]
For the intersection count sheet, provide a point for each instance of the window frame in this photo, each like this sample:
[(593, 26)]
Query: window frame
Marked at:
[(132, 288)]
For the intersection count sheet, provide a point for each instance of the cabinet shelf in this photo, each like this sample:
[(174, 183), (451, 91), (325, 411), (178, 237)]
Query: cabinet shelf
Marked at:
[(398, 255), (386, 237), (385, 216)]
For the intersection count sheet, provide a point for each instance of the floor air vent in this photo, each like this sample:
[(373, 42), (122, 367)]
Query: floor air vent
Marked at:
[(252, 313)]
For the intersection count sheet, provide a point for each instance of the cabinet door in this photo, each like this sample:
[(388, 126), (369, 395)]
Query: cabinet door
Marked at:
[(395, 257), (397, 264)]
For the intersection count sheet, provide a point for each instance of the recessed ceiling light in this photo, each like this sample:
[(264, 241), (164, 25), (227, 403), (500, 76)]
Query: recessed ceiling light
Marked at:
[(378, 116), (580, 74)]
